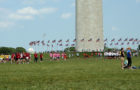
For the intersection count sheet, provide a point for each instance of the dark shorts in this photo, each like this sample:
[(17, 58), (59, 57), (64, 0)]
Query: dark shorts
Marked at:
[(36, 59), (16, 59), (22, 58), (41, 59), (129, 61)]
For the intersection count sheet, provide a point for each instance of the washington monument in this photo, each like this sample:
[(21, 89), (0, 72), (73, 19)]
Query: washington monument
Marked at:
[(89, 25)]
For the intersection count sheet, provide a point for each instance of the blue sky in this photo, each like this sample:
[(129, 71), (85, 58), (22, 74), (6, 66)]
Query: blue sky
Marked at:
[(22, 21)]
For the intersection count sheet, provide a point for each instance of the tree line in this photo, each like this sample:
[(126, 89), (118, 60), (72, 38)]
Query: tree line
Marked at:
[(10, 50)]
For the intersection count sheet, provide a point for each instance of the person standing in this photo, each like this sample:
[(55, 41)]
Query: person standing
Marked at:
[(35, 57), (62, 55), (51, 55), (58, 56), (18, 58), (12, 58), (122, 57), (41, 57), (65, 56), (129, 57), (27, 56)]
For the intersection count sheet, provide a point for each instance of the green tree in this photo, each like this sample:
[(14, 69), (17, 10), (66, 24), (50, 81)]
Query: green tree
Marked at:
[(9, 50), (20, 49), (70, 49), (4, 50), (12, 50)]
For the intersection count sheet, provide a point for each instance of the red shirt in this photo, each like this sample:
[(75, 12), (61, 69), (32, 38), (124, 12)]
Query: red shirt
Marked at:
[(41, 55), (24, 55), (13, 55), (35, 55), (65, 56), (18, 55)]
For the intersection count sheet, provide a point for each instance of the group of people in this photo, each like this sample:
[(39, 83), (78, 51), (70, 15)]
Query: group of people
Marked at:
[(129, 58), (52, 55), (111, 55), (36, 57), (57, 56), (96, 54), (20, 58)]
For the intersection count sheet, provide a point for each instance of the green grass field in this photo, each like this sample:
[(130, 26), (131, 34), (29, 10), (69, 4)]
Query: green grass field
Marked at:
[(73, 74)]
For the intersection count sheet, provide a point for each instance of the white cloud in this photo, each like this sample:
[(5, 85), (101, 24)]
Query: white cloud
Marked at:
[(32, 11), (6, 24), (20, 17), (28, 10), (28, 13), (47, 10), (66, 15)]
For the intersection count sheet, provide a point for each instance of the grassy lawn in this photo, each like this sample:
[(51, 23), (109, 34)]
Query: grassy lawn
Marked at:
[(73, 74)]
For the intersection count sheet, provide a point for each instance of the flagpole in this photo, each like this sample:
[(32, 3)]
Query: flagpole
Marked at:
[(69, 46), (51, 45), (56, 46)]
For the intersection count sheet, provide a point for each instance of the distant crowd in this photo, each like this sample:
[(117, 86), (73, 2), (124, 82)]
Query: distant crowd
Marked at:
[(19, 58), (26, 58)]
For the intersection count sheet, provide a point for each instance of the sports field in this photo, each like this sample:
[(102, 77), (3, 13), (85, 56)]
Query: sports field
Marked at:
[(73, 74)]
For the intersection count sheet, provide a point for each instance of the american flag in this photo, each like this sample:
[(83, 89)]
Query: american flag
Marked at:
[(126, 39), (128, 43), (38, 42), (74, 40), (60, 44), (31, 43), (136, 40), (90, 40), (117, 43), (60, 40), (67, 44), (120, 40), (48, 45), (72, 45), (53, 41), (131, 39), (82, 40), (133, 43), (48, 41), (122, 43), (68, 40), (34, 42), (113, 40), (98, 40), (43, 43), (105, 40)]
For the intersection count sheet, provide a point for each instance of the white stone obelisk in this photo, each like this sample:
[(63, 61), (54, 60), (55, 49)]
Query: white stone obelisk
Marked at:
[(89, 25)]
